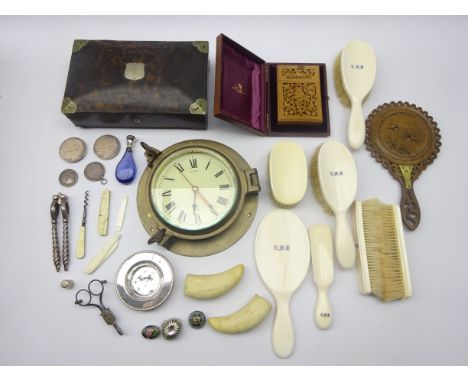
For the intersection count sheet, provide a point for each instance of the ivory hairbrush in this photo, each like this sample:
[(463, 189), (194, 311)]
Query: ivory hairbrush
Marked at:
[(321, 251), (334, 180), (287, 167), (354, 73), (282, 254)]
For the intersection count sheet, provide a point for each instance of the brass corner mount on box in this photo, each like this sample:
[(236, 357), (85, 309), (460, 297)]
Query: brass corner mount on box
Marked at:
[(68, 106), (198, 107), (202, 46), (78, 45)]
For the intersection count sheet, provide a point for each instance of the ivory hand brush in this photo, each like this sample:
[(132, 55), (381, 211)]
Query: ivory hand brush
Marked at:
[(334, 180), (354, 74), (287, 168), (321, 251), (382, 251)]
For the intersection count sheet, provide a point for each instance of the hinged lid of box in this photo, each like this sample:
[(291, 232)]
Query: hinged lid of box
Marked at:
[(270, 98), (163, 83)]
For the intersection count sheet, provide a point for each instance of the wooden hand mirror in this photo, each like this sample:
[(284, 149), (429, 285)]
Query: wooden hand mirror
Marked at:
[(405, 140)]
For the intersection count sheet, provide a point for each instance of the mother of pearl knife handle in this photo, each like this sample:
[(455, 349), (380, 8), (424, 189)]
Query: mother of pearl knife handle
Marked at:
[(103, 218), (105, 252), (80, 245)]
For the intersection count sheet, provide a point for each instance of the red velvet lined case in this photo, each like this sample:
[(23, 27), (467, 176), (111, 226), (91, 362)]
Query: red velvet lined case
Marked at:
[(245, 92)]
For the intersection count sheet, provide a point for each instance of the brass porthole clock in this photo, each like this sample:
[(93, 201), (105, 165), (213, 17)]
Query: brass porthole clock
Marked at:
[(196, 197)]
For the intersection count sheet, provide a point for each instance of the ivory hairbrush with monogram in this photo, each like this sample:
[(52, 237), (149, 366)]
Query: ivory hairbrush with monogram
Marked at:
[(354, 74), (334, 181)]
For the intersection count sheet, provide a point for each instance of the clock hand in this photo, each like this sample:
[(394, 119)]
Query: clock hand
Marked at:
[(181, 173), (210, 206), (196, 190), (194, 205)]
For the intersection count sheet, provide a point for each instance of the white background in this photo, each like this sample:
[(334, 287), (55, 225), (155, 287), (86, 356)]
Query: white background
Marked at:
[(420, 59)]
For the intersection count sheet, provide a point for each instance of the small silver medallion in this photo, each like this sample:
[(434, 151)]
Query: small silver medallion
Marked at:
[(72, 150), (107, 147), (95, 172), (68, 177)]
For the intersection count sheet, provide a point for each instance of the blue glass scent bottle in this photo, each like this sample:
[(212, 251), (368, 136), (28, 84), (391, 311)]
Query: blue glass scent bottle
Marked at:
[(125, 172)]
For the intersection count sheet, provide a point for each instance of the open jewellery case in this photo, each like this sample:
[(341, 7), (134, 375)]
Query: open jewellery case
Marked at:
[(246, 93)]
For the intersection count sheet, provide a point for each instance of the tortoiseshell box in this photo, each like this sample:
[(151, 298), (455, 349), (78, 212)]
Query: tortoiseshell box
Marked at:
[(148, 84), (246, 92)]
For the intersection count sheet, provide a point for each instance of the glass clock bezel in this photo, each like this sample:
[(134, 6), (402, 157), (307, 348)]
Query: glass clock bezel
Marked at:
[(184, 152)]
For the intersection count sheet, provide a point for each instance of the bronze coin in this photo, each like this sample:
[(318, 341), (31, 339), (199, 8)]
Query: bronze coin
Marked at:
[(72, 150), (107, 147), (95, 172), (68, 178)]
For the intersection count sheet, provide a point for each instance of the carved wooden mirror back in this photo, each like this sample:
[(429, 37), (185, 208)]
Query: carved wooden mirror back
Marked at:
[(405, 140)]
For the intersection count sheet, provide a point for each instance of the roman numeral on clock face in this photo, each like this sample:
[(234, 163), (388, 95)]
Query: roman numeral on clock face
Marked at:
[(193, 162), (182, 216), (219, 173), (170, 206), (167, 193), (223, 201), (224, 186), (179, 167)]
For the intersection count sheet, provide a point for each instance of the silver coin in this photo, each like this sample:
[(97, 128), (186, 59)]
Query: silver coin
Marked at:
[(68, 177), (107, 147), (72, 150), (94, 171)]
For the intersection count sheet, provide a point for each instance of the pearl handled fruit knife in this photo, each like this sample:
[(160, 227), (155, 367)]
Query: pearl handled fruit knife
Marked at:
[(111, 245)]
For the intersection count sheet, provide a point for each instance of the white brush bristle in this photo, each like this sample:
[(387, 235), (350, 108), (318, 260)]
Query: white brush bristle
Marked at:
[(384, 260), (316, 185), (338, 81)]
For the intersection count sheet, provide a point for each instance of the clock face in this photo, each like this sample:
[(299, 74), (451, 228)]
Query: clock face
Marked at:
[(194, 189)]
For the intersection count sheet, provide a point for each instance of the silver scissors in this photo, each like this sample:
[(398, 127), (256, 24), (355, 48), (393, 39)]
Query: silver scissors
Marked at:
[(84, 298)]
